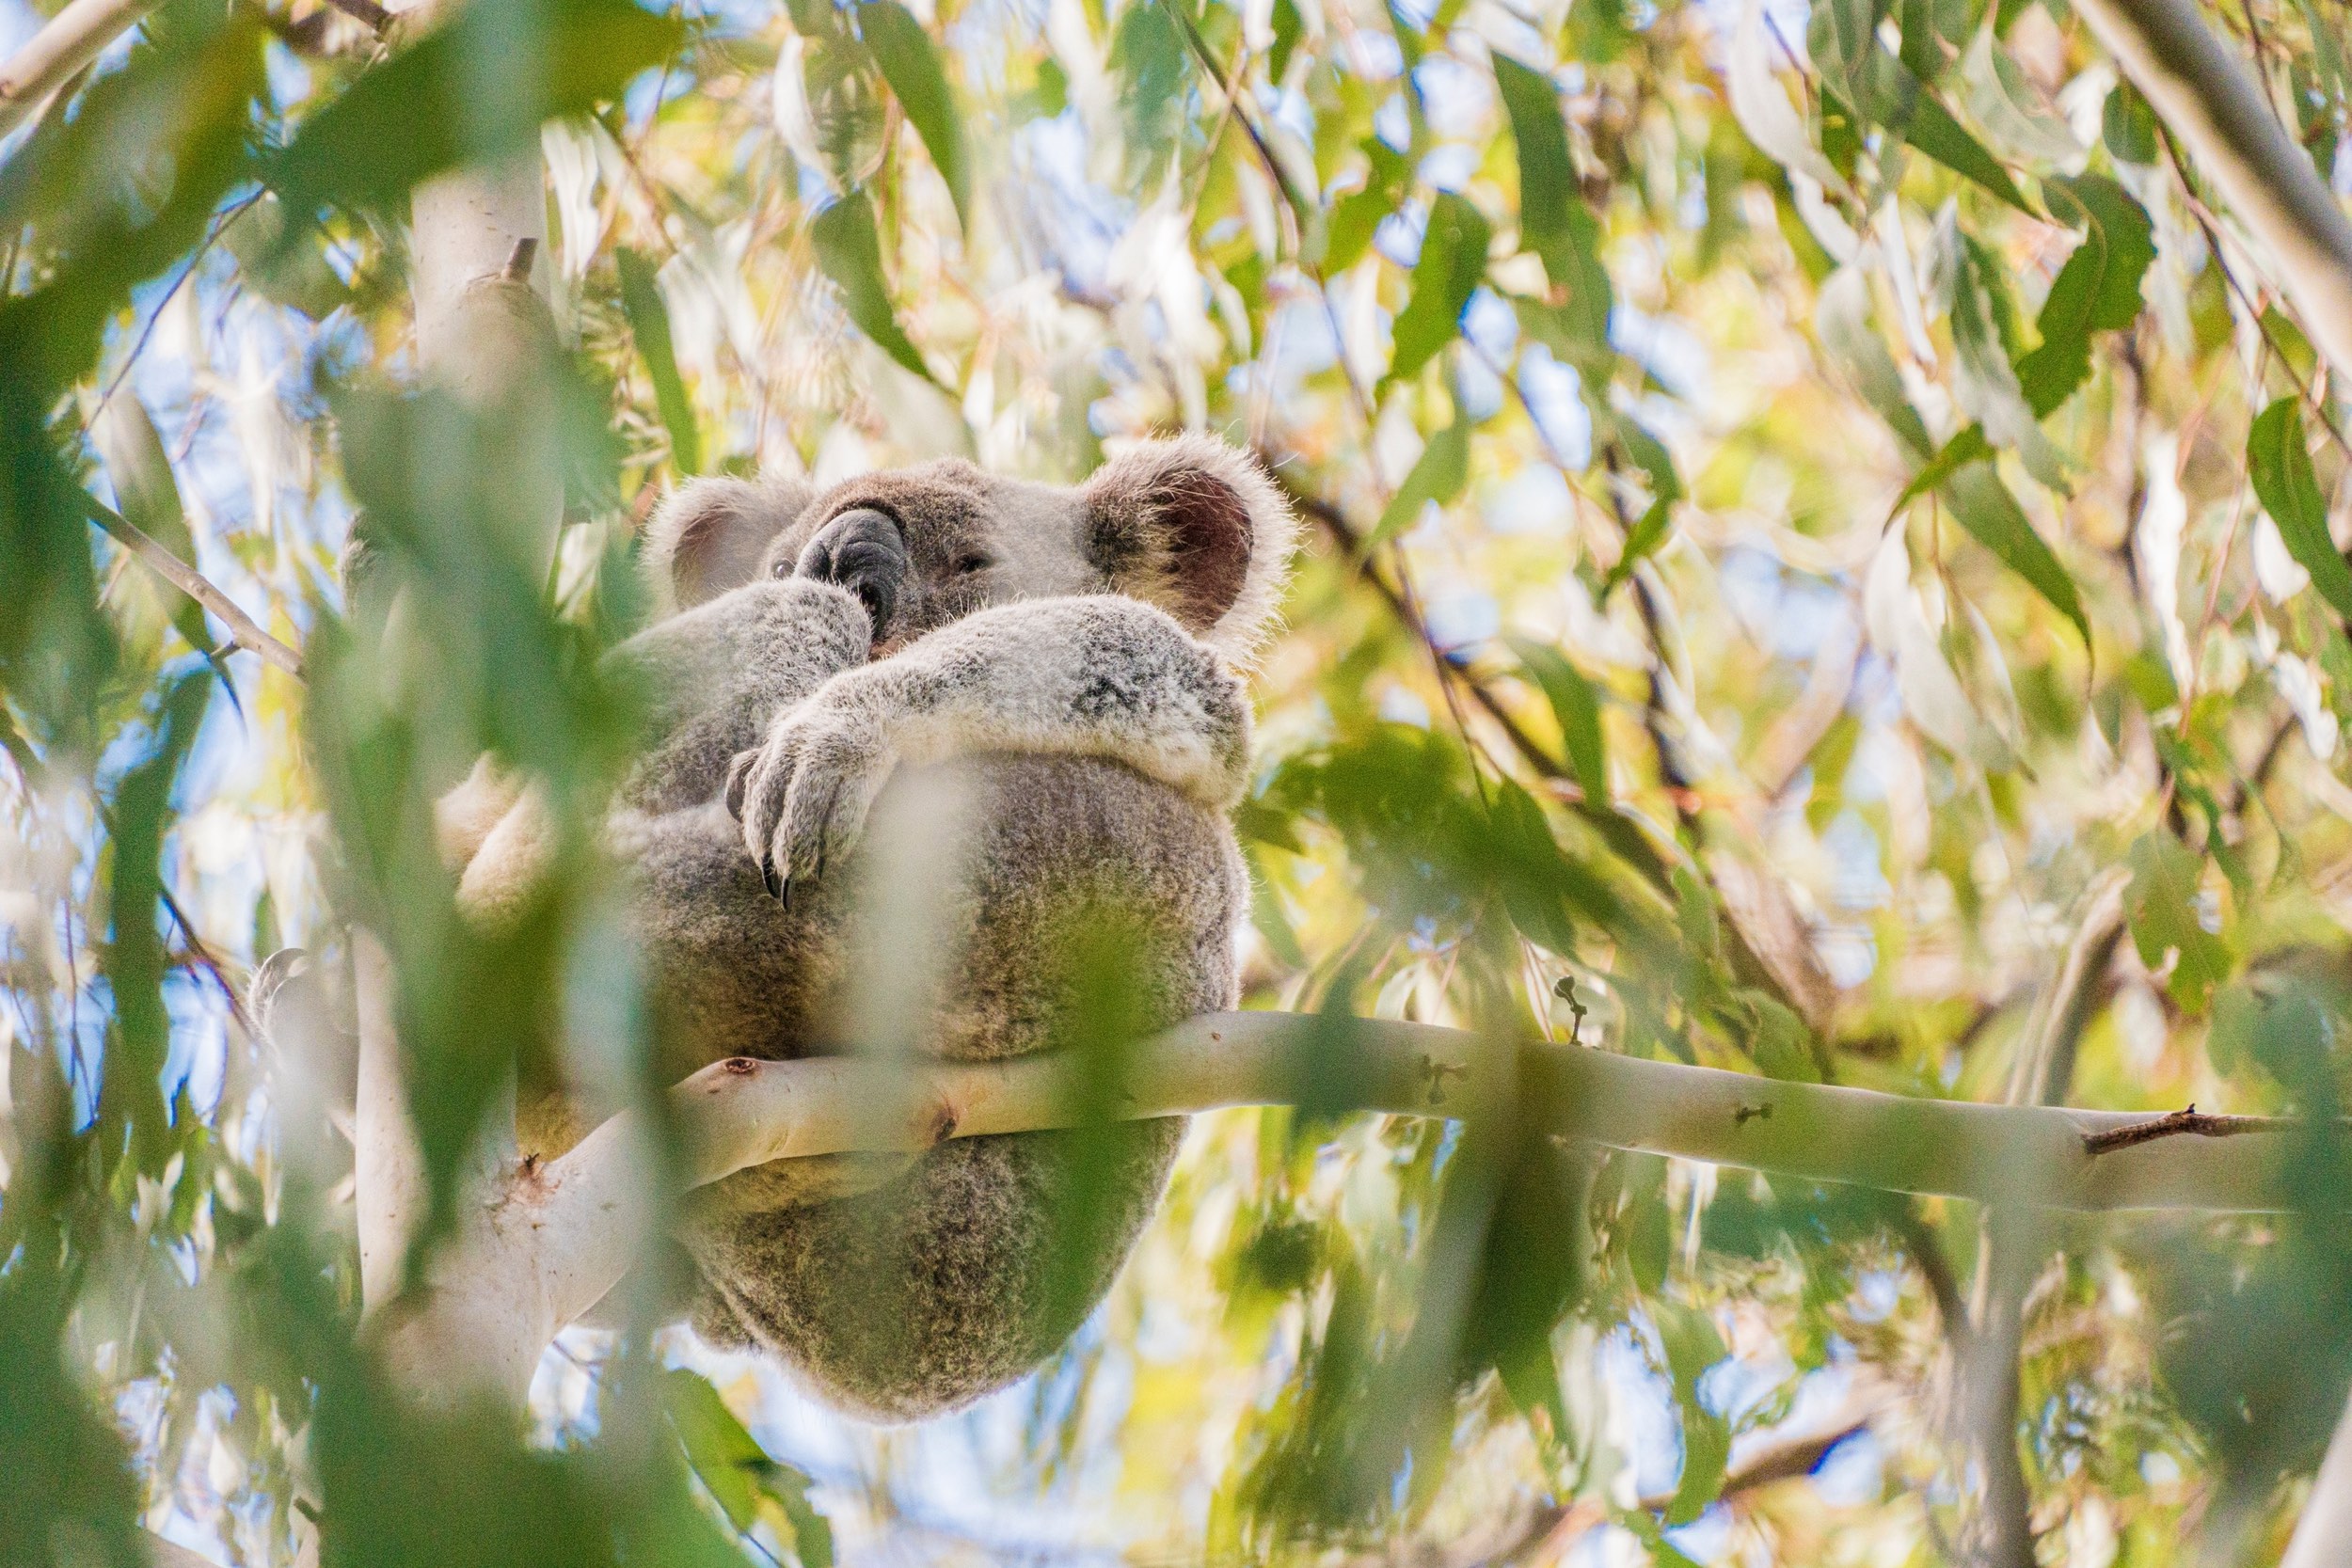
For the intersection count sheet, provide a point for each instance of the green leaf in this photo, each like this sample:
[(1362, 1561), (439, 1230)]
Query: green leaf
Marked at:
[(1841, 320), (148, 497), (2281, 471), (1553, 219), (1934, 131), (1649, 530), (1358, 215), (649, 323), (742, 1478), (281, 256), (850, 255), (470, 91), (2008, 106), (1987, 510), (1155, 75), (68, 1477), (1576, 705), (1288, 28), (2128, 126), (911, 64), (1453, 260), (1967, 447), (1692, 1345), (1934, 32), (1983, 382), (2160, 904), (1778, 1039), (1438, 475), (2096, 291)]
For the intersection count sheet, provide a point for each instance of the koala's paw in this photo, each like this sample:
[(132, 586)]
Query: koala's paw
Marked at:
[(802, 796)]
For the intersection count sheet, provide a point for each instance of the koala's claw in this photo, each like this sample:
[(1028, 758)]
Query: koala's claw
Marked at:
[(803, 798)]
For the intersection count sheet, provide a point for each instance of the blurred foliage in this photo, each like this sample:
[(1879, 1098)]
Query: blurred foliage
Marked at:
[(1627, 360)]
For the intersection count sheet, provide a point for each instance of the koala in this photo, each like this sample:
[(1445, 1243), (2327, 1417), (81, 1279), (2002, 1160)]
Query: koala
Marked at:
[(1005, 710)]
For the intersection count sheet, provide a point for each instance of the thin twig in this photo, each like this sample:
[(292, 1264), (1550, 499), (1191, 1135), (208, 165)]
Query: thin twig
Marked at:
[(2190, 1122), (242, 631), (187, 270), (210, 965)]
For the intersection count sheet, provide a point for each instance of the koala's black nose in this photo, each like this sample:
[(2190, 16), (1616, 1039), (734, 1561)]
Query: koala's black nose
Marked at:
[(864, 551)]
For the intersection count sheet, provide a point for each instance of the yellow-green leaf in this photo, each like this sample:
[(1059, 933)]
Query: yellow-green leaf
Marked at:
[(911, 64), (2282, 476), (850, 255)]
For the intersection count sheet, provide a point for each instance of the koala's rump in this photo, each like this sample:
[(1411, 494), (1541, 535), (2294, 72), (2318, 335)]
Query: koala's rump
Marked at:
[(993, 899)]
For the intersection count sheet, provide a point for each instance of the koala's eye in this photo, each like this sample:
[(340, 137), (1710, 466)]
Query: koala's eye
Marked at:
[(782, 568), (967, 564)]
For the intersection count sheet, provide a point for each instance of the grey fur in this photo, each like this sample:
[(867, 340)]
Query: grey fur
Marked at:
[(1047, 739)]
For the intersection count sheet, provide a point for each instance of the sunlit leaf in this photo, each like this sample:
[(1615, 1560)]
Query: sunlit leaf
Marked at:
[(2096, 291), (1987, 510), (1358, 215), (649, 322), (2008, 106), (851, 254), (1576, 705), (2162, 906), (738, 1472), (1842, 319), (2281, 469), (1984, 381), (148, 497), (478, 89), (1934, 131), (1438, 475), (1453, 260), (1692, 1345), (911, 64), (1553, 219)]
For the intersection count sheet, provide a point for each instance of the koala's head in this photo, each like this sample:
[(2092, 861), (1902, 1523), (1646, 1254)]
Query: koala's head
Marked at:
[(1190, 525)]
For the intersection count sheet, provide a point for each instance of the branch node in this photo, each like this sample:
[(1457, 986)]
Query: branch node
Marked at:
[(2186, 1122), (518, 269)]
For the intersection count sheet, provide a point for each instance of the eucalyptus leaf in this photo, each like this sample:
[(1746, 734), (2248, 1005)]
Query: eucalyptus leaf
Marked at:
[(1987, 510), (2097, 290), (649, 323), (426, 109), (1841, 319), (849, 253), (2281, 467), (1984, 382), (2009, 107), (911, 64), (1576, 706), (148, 497), (1453, 260), (1438, 475), (2160, 905), (1553, 219)]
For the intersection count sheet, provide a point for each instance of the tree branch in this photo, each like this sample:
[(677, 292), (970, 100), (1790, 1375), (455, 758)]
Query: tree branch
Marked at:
[(2208, 97), (2323, 1536), (2190, 1122), (242, 631), (70, 40)]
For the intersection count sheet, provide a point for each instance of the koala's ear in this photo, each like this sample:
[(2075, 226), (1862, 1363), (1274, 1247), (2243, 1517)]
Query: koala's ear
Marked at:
[(1196, 527), (708, 535)]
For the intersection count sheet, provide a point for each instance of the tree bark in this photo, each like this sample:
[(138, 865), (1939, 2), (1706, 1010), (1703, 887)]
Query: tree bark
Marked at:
[(2323, 1536), (66, 42), (2209, 98), (540, 1245)]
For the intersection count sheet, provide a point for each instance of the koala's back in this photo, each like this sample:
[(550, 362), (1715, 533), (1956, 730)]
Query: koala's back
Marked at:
[(996, 900)]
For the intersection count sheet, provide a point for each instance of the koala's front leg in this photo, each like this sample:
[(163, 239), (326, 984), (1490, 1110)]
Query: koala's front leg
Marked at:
[(1101, 675)]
